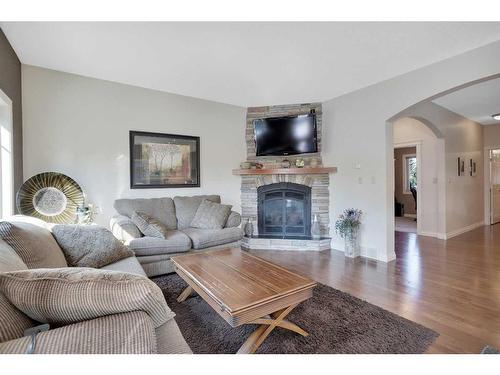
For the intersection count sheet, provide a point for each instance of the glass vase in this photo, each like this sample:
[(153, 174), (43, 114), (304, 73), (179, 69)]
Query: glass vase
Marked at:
[(248, 228), (352, 248), (315, 228)]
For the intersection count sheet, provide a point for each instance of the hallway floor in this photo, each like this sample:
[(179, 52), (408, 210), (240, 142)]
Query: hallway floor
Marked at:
[(405, 224), (450, 286)]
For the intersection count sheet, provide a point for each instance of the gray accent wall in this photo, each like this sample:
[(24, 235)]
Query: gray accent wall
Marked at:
[(10, 84)]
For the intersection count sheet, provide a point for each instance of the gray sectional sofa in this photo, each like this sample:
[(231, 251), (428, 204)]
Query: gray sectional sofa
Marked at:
[(90, 311), (176, 214)]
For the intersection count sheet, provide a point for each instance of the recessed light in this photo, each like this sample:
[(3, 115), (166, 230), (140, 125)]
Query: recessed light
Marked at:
[(496, 117)]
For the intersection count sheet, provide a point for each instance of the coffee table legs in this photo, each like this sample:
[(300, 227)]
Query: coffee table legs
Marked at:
[(267, 324), (276, 319), (185, 294)]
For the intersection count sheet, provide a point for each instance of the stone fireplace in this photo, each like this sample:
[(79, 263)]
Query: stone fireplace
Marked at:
[(281, 202)]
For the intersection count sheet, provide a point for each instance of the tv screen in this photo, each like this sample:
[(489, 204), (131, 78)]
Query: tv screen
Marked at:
[(292, 135)]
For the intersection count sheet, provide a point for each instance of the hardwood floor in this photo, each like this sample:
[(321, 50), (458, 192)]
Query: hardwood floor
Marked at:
[(450, 286)]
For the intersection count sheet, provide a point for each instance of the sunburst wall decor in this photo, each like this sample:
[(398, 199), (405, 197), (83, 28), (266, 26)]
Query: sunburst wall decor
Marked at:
[(50, 196)]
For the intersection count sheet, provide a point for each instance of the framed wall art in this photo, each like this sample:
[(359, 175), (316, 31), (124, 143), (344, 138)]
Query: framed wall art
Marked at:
[(461, 166), (472, 168), (160, 160)]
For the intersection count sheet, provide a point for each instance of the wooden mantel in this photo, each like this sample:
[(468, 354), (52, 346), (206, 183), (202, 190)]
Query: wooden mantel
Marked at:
[(318, 170)]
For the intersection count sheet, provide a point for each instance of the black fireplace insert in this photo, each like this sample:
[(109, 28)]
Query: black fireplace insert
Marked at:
[(284, 210)]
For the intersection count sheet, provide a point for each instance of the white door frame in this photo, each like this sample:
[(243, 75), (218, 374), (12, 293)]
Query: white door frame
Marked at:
[(418, 146), (487, 183)]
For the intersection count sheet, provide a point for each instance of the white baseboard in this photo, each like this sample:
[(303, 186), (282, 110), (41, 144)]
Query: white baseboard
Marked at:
[(446, 236), (463, 230), (366, 252), (432, 234), (369, 252), (411, 215)]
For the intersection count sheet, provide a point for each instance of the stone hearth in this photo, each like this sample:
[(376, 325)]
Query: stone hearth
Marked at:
[(299, 244)]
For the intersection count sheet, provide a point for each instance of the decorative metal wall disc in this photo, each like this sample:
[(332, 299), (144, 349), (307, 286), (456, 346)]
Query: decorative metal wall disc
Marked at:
[(50, 196)]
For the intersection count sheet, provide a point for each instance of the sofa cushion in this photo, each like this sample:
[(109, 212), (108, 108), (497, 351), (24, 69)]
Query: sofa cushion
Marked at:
[(203, 238), (159, 264), (130, 265), (89, 245), (148, 225), (234, 220), (123, 228), (169, 339), (211, 215), (13, 322), (34, 244), (9, 260), (160, 208), (186, 207), (175, 242), (127, 333), (70, 295)]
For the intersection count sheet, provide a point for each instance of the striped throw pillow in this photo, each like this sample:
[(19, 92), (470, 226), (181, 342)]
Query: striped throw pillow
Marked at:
[(148, 225)]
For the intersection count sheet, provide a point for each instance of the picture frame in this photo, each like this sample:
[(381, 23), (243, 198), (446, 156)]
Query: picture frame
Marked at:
[(160, 160), (461, 167), (472, 168)]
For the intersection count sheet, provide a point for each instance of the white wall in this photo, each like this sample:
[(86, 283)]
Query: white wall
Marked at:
[(80, 126), (409, 130), (358, 133), (464, 194), (491, 136)]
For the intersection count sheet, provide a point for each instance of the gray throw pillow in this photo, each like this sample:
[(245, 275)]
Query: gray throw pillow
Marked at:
[(211, 215), (33, 242), (89, 245), (148, 225)]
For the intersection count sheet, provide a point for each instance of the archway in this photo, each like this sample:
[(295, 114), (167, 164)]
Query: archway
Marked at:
[(421, 135), (415, 112)]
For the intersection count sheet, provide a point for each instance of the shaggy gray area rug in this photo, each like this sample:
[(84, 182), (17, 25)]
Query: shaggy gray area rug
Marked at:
[(337, 322)]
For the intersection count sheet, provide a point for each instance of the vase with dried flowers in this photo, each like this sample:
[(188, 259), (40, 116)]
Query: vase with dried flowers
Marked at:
[(347, 226)]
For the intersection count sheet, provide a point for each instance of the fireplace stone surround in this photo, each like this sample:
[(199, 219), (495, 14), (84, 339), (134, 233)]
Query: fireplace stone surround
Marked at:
[(316, 183)]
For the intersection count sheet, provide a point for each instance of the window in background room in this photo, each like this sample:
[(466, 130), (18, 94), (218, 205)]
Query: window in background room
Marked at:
[(6, 159), (410, 172)]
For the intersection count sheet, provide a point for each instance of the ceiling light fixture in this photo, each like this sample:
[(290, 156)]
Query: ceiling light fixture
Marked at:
[(496, 117)]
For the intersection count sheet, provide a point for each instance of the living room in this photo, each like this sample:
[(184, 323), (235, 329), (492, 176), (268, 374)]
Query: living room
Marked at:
[(210, 188)]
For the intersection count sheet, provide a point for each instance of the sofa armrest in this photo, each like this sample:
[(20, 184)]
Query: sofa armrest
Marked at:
[(68, 295), (234, 220), (124, 229), (127, 333)]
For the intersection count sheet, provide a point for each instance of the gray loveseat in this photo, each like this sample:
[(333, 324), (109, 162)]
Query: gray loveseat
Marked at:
[(115, 309), (176, 214)]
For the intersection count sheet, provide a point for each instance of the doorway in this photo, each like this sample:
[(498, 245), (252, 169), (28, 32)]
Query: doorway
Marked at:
[(406, 165)]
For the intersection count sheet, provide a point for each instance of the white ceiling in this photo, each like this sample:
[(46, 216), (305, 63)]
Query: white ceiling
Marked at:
[(477, 102), (246, 64)]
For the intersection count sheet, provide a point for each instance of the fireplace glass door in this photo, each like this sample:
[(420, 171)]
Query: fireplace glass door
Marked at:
[(284, 210)]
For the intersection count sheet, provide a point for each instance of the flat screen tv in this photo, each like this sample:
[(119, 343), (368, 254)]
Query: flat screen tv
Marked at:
[(291, 135)]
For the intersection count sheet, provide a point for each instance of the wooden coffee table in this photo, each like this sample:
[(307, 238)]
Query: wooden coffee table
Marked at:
[(244, 289)]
